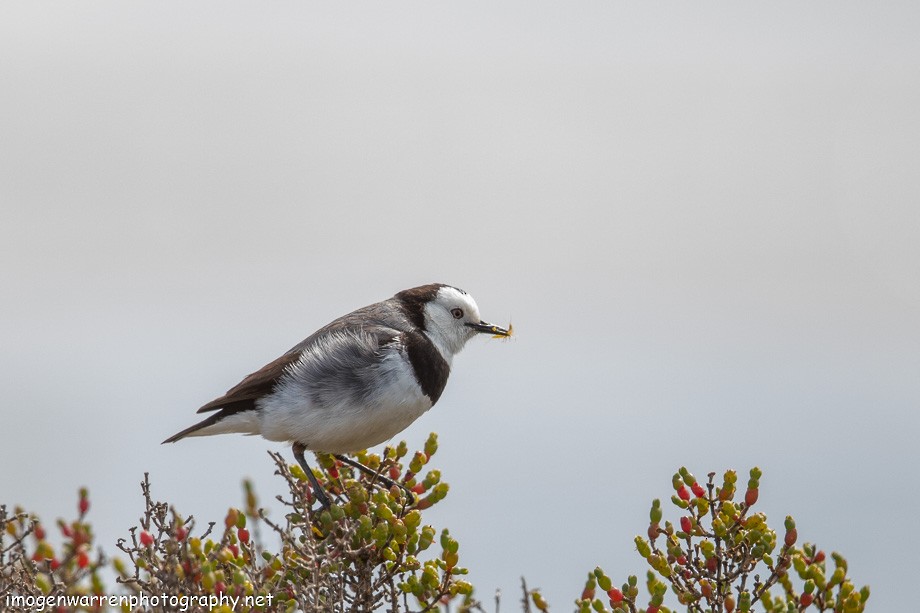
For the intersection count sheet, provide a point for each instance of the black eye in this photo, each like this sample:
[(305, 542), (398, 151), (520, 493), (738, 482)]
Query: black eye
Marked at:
[(457, 313)]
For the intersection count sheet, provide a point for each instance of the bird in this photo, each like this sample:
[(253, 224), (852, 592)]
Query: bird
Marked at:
[(357, 381)]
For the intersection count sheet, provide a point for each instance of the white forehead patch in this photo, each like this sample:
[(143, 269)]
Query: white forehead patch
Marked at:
[(451, 297)]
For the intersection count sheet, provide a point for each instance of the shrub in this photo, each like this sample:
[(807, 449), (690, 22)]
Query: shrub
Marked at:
[(721, 556), (371, 550)]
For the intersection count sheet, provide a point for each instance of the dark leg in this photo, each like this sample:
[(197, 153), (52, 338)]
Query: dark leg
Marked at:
[(318, 490), (367, 471)]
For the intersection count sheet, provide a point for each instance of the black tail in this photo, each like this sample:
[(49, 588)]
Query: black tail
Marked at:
[(210, 421)]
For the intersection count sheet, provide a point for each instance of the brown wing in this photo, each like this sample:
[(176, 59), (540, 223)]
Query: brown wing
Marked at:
[(243, 395)]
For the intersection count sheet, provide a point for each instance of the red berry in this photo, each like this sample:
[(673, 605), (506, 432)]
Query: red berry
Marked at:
[(55, 563), (243, 534), (683, 493), (39, 532), (651, 609), (84, 506), (418, 489), (587, 595), (394, 472), (615, 595), (653, 529), (682, 560), (334, 473), (711, 564), (698, 490), (181, 533), (234, 550), (686, 524), (82, 559), (791, 537), (819, 557), (146, 538), (806, 599), (219, 587), (750, 496)]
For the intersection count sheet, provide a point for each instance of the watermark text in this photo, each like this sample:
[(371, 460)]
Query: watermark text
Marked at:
[(136, 601)]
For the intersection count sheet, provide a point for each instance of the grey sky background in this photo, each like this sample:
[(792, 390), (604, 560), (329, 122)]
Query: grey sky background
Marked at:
[(703, 221)]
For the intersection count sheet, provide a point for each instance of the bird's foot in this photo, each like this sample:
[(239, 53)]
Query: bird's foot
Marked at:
[(377, 477)]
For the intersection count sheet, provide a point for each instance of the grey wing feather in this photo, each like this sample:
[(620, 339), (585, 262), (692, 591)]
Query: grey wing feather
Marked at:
[(378, 324), (386, 314), (343, 366)]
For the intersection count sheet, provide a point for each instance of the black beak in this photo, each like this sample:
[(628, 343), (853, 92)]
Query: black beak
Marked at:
[(489, 329)]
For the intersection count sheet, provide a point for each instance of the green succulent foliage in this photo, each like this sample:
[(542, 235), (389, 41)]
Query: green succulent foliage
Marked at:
[(722, 556), (388, 549), (372, 550), (32, 567)]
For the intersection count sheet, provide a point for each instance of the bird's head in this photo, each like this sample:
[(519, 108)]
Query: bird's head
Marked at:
[(450, 317)]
